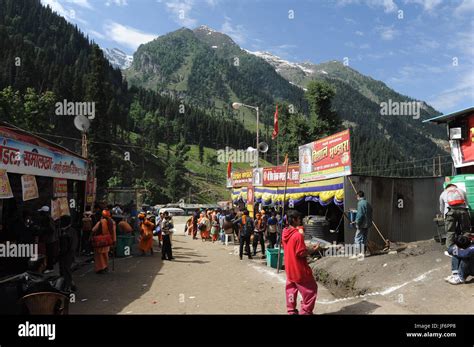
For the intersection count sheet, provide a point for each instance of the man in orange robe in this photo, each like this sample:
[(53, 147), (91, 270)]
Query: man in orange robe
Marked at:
[(104, 226), (146, 235)]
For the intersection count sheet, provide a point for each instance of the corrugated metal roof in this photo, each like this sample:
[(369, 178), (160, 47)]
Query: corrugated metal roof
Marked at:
[(446, 117)]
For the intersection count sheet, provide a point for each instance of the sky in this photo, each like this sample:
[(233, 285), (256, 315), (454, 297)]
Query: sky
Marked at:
[(421, 48)]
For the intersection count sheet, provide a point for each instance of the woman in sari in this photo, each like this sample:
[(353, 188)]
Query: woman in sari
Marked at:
[(214, 228), (101, 254), (204, 226)]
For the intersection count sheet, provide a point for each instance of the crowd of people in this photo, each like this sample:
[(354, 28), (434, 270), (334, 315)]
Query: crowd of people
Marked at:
[(213, 224)]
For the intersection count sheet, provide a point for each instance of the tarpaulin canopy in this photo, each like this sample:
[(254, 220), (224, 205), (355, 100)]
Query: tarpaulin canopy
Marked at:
[(324, 192)]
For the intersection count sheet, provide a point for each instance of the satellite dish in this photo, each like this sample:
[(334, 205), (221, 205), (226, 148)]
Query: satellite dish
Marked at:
[(82, 123)]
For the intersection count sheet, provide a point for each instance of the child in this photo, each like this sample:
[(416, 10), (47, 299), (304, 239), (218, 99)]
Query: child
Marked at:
[(299, 277)]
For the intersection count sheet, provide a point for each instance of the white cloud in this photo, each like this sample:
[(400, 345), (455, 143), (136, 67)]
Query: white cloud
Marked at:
[(465, 7), (82, 3), (359, 33), (212, 3), (96, 34), (388, 5), (387, 33), (126, 35), (236, 32), (116, 2), (180, 10), (68, 13), (57, 7), (450, 98), (428, 5)]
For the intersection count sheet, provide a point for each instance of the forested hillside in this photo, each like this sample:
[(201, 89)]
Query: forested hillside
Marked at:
[(44, 59)]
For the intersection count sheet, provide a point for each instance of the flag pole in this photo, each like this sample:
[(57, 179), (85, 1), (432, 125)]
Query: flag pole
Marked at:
[(283, 212), (278, 154)]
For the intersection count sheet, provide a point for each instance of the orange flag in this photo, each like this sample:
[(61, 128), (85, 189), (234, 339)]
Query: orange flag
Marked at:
[(275, 124), (229, 169)]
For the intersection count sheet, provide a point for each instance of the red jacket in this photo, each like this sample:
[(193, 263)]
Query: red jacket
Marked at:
[(296, 266)]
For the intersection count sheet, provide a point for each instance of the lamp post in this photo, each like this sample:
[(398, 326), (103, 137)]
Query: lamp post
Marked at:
[(236, 106)]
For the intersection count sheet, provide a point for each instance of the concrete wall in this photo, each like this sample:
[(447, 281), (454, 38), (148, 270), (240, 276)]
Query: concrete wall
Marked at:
[(413, 222)]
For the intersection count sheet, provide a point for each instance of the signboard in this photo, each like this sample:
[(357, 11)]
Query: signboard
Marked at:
[(64, 207), (275, 176), (25, 158), (29, 187), (91, 186), (257, 177), (327, 158), (59, 187), (462, 151), (55, 209), (5, 188), (242, 178), (250, 196)]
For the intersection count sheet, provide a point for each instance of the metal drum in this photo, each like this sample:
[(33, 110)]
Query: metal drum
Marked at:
[(318, 227)]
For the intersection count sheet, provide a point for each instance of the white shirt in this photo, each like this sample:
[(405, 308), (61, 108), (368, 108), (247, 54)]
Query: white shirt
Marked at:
[(443, 201)]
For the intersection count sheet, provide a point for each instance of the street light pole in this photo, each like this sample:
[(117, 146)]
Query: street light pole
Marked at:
[(236, 106)]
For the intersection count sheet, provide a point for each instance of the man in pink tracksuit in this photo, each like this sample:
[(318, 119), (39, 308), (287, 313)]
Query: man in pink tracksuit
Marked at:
[(299, 277)]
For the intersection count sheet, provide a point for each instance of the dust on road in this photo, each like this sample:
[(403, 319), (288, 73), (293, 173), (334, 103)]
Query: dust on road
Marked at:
[(205, 278)]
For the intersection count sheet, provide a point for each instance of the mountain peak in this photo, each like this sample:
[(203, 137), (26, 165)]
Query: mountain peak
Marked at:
[(205, 28), (118, 58)]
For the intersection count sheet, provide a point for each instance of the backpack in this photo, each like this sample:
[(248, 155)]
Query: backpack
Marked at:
[(455, 197)]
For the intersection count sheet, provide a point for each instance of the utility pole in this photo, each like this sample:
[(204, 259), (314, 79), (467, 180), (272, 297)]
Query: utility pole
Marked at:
[(434, 167)]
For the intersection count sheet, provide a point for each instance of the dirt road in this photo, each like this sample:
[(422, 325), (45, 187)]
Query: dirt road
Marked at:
[(205, 278)]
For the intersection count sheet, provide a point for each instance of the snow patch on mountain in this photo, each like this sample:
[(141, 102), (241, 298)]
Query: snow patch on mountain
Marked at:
[(281, 64), (118, 59)]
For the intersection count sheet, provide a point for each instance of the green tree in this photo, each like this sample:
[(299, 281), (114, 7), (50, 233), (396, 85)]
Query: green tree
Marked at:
[(212, 163), (175, 172), (201, 150), (324, 121)]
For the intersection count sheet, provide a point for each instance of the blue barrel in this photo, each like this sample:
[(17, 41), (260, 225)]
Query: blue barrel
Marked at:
[(352, 217)]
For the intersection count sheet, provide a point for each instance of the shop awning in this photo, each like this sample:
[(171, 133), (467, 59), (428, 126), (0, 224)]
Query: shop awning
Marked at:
[(324, 192)]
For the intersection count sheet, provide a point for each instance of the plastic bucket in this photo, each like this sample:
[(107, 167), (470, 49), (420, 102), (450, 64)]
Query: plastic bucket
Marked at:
[(272, 257)]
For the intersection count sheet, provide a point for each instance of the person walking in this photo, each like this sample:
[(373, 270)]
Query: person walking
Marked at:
[(260, 229), (67, 244), (195, 223), (363, 222), (50, 235), (87, 225), (299, 276), (105, 228), (247, 226), (272, 230), (146, 235), (166, 252), (453, 205)]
